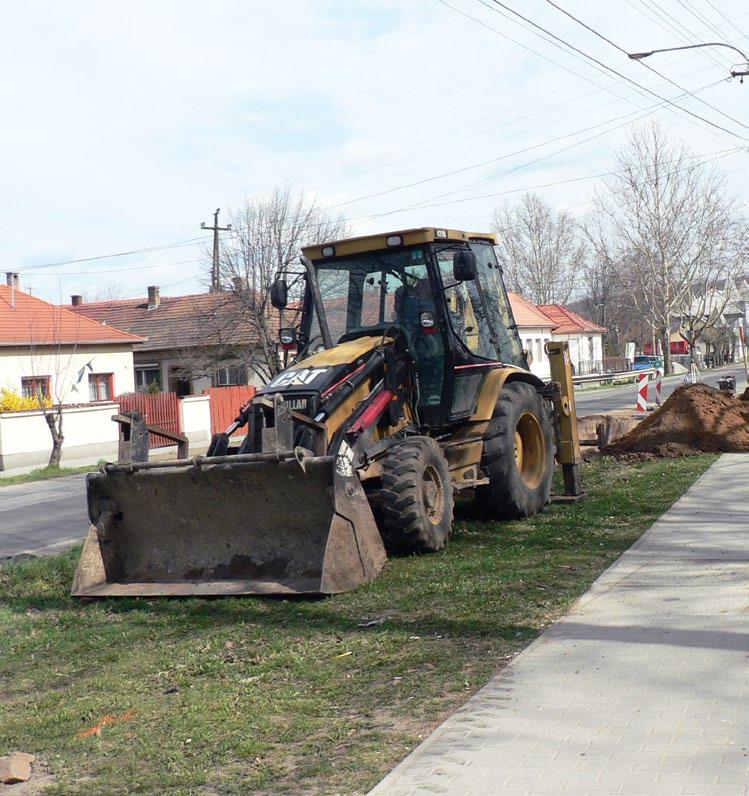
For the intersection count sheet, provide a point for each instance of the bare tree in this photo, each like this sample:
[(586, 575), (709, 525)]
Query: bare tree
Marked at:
[(539, 250), (605, 289), (267, 235), (108, 291), (52, 360), (666, 220), (703, 309)]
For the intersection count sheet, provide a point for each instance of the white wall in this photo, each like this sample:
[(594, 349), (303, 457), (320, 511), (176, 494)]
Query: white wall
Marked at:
[(89, 432), (195, 416), (534, 339), (580, 348), (65, 367)]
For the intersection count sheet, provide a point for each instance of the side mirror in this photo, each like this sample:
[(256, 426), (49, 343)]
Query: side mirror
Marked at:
[(288, 337), (279, 294), (464, 265)]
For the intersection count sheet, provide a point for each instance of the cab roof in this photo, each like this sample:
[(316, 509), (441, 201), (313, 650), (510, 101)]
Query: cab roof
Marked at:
[(389, 240)]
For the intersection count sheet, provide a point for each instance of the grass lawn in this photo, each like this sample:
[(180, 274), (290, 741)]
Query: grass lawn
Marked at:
[(243, 695), (42, 473)]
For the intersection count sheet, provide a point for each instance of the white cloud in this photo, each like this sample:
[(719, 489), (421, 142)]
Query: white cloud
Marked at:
[(127, 124)]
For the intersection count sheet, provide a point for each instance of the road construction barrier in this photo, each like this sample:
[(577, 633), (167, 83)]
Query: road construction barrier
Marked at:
[(642, 393), (658, 386)]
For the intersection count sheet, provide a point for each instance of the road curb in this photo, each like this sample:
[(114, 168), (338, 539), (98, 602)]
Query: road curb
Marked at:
[(47, 550)]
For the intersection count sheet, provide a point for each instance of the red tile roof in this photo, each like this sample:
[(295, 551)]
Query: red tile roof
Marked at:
[(178, 321), (27, 320), (568, 322), (528, 314)]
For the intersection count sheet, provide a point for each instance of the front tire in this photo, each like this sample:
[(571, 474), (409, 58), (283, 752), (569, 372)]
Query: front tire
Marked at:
[(518, 455), (415, 503)]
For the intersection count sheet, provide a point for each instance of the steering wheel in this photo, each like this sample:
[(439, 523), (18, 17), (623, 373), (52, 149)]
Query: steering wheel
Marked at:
[(309, 347)]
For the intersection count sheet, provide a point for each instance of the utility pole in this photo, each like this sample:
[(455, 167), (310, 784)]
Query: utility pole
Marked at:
[(215, 277)]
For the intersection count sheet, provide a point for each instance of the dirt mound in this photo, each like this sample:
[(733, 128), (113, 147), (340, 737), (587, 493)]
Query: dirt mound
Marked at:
[(695, 419)]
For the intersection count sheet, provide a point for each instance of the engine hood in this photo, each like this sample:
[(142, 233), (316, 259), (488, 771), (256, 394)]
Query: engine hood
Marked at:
[(319, 371)]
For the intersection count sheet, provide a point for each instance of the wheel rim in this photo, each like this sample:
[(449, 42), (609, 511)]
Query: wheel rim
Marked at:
[(530, 450), (432, 494)]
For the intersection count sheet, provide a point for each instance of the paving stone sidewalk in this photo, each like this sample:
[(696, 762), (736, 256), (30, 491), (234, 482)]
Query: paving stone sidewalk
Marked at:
[(643, 688)]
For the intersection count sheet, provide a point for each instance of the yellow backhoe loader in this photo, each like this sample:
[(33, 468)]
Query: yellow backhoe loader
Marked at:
[(406, 384)]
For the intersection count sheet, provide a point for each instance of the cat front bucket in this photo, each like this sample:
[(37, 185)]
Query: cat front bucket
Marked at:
[(243, 524)]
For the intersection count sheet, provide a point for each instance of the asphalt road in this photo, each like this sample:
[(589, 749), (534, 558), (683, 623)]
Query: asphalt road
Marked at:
[(43, 516), (47, 516), (625, 397)]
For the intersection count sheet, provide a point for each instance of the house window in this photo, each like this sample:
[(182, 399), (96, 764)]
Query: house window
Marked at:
[(147, 377), (35, 386), (225, 377), (539, 350), (100, 386)]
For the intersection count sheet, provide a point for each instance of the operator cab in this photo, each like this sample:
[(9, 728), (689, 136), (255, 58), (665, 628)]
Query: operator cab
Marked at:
[(442, 289)]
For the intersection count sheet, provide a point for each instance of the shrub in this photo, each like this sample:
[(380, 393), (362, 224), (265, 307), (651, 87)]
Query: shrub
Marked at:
[(11, 401)]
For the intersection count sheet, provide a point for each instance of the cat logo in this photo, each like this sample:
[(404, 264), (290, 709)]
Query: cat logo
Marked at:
[(302, 377)]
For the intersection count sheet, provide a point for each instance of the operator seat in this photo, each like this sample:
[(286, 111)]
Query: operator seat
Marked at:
[(410, 300)]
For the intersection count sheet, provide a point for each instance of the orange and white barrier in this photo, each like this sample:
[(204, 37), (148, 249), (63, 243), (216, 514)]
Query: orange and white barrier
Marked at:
[(642, 393)]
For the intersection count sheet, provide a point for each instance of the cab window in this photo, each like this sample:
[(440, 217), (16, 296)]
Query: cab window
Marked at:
[(465, 311)]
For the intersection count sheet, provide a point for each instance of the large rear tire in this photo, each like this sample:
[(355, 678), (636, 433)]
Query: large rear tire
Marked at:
[(414, 507), (518, 455)]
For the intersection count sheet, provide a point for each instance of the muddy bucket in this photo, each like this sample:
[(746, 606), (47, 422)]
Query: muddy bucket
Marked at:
[(250, 524)]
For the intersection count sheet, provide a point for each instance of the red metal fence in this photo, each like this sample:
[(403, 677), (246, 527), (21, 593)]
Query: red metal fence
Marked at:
[(225, 404), (161, 409)]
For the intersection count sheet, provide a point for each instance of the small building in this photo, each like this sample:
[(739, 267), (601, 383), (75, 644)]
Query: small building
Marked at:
[(535, 330), (189, 343), (65, 357), (585, 338)]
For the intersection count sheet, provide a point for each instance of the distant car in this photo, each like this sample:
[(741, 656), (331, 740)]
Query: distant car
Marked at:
[(645, 362)]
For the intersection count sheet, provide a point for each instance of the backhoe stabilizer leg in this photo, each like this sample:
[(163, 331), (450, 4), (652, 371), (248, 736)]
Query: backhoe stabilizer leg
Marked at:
[(568, 452)]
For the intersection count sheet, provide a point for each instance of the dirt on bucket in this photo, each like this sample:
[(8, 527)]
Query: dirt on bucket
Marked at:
[(695, 419)]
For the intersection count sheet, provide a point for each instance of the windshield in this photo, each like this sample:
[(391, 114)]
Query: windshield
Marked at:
[(371, 291)]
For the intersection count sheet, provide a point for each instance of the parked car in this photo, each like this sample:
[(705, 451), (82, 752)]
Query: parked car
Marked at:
[(645, 362)]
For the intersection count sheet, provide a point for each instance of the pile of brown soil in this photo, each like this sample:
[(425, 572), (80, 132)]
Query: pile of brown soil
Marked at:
[(695, 419)]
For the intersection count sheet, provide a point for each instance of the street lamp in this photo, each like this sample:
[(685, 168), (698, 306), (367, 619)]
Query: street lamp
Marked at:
[(734, 72)]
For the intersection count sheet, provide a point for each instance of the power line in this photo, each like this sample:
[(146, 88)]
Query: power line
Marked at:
[(529, 148), (619, 74), (583, 79), (520, 134), (117, 270), (145, 250), (557, 183), (421, 204), (571, 50), (682, 31), (478, 121), (730, 22), (658, 19), (703, 20), (647, 66)]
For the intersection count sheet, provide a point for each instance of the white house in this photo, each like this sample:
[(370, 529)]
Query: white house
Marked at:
[(584, 337), (66, 357), (535, 330)]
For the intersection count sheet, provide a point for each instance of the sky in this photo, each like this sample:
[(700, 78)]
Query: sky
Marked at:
[(126, 124)]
